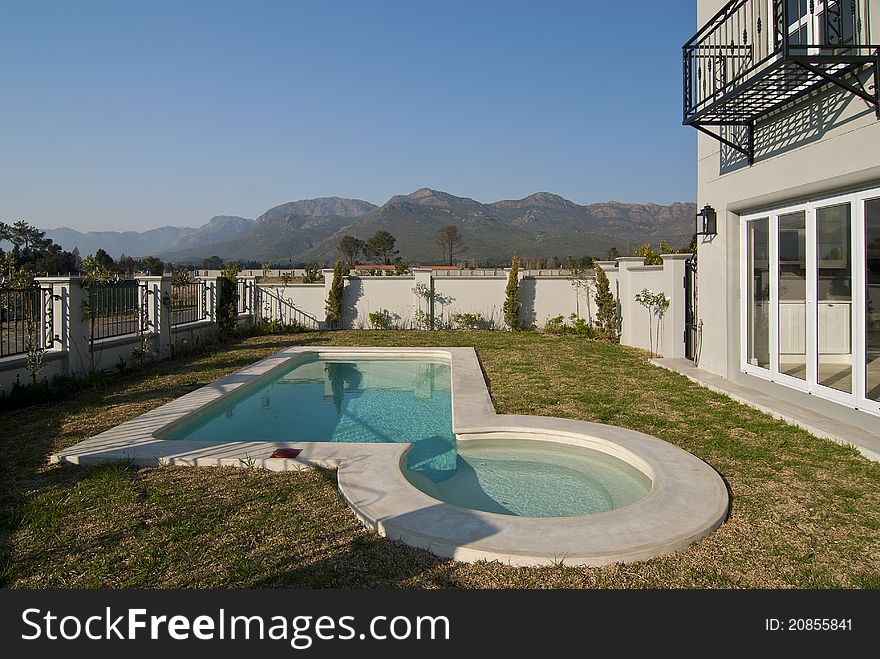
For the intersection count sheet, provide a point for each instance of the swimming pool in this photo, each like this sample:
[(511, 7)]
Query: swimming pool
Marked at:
[(473, 488), (376, 400)]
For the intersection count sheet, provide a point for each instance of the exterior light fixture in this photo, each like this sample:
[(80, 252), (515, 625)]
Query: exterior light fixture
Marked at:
[(707, 222)]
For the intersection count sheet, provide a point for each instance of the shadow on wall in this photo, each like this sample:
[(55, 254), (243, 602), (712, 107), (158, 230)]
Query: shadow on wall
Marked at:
[(807, 122), (527, 316), (354, 291), (276, 306)]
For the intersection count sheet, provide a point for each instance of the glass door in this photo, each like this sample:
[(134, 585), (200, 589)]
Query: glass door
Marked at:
[(871, 305), (810, 304), (833, 277), (757, 300), (792, 286)]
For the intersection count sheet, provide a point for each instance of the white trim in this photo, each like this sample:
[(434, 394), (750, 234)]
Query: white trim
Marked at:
[(858, 299)]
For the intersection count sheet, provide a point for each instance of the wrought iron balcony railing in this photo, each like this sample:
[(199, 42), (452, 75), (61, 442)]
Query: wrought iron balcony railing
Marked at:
[(756, 56)]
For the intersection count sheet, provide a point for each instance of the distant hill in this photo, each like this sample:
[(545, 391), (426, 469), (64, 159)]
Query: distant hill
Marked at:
[(154, 241), (540, 225)]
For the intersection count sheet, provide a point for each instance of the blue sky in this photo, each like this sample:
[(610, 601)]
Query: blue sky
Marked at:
[(125, 115)]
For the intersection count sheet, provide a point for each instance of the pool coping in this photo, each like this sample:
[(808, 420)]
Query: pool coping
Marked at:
[(687, 501)]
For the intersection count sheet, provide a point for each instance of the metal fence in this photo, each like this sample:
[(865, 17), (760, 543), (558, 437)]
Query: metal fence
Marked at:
[(19, 320), (188, 303), (245, 297), (113, 309)]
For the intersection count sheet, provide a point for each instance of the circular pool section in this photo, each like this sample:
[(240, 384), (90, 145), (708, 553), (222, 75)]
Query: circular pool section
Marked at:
[(529, 478)]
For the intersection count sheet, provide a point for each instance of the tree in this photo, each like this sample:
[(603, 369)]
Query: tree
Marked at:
[(379, 248), (103, 259), (511, 300), (126, 266), (579, 278), (612, 254), (656, 304), (450, 242), (55, 261), (153, 265), (212, 263), (334, 298), (606, 307), (32, 253), (227, 299), (351, 249), (652, 256)]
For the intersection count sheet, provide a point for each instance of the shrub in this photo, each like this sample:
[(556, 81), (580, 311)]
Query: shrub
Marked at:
[(312, 274), (555, 325), (468, 321), (606, 308), (381, 319)]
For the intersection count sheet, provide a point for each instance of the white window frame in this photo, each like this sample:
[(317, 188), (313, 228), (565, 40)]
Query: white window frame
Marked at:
[(858, 398)]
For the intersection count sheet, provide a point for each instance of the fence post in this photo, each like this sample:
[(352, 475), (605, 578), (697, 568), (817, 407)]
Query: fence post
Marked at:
[(154, 296), (210, 298), (672, 341), (69, 329)]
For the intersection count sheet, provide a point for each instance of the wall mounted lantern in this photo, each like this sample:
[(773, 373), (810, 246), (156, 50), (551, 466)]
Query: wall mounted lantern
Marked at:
[(707, 222)]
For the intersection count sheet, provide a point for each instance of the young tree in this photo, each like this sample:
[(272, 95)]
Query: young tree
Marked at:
[(351, 249), (656, 304), (450, 241), (578, 277), (606, 307), (511, 301), (379, 248), (334, 299)]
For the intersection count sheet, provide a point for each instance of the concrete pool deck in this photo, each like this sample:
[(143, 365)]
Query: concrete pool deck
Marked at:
[(687, 500)]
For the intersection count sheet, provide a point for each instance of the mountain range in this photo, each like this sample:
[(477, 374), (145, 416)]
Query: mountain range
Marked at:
[(540, 225)]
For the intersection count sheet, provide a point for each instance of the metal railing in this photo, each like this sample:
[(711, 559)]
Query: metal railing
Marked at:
[(245, 296), (188, 303), (273, 306), (113, 309), (747, 35), (20, 323)]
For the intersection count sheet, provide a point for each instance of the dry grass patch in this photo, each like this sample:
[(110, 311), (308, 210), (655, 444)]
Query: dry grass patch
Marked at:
[(806, 512)]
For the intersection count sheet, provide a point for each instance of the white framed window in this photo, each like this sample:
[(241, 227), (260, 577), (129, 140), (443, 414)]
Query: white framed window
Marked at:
[(810, 297)]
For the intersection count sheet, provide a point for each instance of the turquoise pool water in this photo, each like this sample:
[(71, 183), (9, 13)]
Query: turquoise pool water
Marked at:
[(535, 479), (320, 399)]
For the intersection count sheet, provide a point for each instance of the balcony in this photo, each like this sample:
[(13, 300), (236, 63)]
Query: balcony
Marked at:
[(757, 56)]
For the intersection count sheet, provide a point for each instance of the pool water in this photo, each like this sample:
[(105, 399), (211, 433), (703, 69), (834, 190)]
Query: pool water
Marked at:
[(335, 399), (535, 479)]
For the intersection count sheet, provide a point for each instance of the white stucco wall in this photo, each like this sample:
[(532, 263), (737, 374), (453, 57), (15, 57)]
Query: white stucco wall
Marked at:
[(280, 302), (820, 147), (482, 295)]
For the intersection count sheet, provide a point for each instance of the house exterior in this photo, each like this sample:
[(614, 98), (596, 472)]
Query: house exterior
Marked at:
[(785, 96)]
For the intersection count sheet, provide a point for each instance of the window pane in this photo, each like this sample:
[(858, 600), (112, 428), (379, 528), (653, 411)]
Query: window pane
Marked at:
[(872, 300), (834, 297), (793, 295), (758, 259)]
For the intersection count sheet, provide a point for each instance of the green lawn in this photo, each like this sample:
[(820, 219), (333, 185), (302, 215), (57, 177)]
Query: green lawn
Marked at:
[(805, 513)]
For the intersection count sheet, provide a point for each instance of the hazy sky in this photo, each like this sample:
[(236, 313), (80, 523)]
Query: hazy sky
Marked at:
[(129, 115)]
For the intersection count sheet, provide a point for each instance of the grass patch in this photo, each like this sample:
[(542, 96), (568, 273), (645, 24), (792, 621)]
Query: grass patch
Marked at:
[(806, 511)]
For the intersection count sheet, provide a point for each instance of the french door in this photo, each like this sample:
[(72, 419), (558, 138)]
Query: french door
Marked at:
[(811, 298)]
